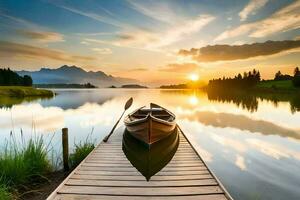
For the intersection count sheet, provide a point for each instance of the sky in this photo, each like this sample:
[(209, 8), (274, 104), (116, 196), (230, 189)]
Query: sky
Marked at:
[(156, 42)]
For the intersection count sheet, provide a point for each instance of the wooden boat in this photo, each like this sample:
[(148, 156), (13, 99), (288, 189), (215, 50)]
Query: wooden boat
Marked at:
[(150, 125), (149, 161)]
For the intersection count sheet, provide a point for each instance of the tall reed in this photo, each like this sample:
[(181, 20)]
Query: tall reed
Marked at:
[(82, 150), (23, 164)]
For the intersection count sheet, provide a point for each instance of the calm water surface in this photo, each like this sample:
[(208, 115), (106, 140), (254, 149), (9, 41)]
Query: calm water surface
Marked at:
[(251, 144)]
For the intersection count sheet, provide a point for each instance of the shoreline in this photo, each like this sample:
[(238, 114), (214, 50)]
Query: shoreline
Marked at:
[(262, 87), (23, 91)]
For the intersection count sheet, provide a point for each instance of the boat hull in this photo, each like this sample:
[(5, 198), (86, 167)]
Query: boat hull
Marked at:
[(150, 129)]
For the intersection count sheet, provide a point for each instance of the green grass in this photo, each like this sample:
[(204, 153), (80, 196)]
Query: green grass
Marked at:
[(25, 165), (21, 91), (4, 193), (22, 167), (284, 85), (81, 151)]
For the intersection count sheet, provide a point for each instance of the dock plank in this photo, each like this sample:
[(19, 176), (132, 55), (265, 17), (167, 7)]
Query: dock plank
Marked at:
[(111, 183), (115, 197), (137, 191), (200, 176), (107, 174)]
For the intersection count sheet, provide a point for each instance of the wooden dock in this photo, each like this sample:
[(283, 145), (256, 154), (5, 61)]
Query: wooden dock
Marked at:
[(107, 174)]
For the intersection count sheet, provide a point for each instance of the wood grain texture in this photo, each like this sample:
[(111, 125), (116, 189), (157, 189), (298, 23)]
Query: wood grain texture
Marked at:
[(107, 174), (115, 197)]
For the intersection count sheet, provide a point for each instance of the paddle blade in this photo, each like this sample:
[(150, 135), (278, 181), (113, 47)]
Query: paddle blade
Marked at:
[(128, 103)]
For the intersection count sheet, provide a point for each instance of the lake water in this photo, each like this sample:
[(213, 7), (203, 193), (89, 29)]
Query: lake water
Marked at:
[(251, 143)]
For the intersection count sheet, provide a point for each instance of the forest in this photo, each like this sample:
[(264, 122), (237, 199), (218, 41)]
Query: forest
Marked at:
[(249, 79), (253, 78), (11, 78)]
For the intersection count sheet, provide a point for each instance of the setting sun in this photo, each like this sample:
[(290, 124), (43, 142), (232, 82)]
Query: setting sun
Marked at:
[(194, 77)]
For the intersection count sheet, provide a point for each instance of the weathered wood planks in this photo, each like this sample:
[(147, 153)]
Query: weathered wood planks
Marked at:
[(107, 174)]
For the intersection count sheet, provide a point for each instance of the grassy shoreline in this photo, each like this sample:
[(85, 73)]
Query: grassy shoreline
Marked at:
[(272, 86), (27, 169), (267, 86), (22, 91), (22, 166)]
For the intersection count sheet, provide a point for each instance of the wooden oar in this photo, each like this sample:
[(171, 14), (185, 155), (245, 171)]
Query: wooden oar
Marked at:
[(127, 105)]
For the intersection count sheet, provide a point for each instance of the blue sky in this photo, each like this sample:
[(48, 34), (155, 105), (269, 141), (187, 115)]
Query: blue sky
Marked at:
[(134, 37)]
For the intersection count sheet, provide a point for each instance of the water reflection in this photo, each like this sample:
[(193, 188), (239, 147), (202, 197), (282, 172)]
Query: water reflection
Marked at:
[(149, 161), (249, 101), (246, 101), (75, 98), (242, 122), (9, 102), (253, 149)]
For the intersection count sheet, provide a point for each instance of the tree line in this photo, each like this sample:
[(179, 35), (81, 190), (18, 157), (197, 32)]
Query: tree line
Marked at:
[(11, 78), (295, 78), (248, 79)]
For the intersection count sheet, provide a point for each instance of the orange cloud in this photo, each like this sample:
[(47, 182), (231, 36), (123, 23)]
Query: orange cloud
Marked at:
[(42, 36), (102, 50), (11, 49), (181, 67)]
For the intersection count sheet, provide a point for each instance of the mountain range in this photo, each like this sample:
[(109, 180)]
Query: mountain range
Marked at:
[(73, 74)]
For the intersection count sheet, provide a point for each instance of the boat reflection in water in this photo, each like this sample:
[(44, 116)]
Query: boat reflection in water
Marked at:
[(149, 160)]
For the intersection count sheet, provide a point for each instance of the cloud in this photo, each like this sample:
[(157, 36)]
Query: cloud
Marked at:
[(143, 39), (95, 16), (288, 18), (251, 8), (102, 50), (180, 31), (42, 36), (179, 25), (135, 37), (181, 67), (159, 11), (273, 150), (84, 43), (140, 69), (237, 52), (45, 119), (94, 34), (11, 49), (240, 162), (225, 120), (19, 21), (232, 143)]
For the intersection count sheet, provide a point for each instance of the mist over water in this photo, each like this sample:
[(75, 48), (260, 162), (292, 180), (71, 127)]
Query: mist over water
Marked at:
[(252, 143)]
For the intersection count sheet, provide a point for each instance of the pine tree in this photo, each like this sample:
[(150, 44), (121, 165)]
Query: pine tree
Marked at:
[(296, 72)]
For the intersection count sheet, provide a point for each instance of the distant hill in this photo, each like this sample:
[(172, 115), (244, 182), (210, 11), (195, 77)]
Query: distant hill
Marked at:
[(133, 86), (63, 85), (73, 74), (178, 86)]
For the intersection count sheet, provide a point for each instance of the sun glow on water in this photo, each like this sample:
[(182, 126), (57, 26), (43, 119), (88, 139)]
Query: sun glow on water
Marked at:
[(193, 100)]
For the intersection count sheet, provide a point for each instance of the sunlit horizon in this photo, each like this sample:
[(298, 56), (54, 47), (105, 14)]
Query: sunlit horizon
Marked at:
[(167, 39)]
